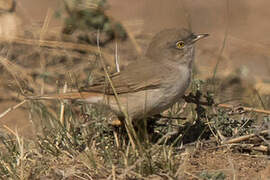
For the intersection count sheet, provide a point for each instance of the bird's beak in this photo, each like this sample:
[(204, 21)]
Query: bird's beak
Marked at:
[(198, 37)]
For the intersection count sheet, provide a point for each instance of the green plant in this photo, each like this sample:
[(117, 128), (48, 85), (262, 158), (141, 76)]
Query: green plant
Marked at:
[(88, 17), (212, 176)]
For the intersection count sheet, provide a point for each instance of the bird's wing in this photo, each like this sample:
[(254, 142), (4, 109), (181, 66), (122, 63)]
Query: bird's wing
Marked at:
[(143, 75)]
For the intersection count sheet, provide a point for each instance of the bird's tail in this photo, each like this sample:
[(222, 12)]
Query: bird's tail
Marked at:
[(68, 96)]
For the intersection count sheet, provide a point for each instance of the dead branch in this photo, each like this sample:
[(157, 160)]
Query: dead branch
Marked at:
[(228, 106), (245, 137)]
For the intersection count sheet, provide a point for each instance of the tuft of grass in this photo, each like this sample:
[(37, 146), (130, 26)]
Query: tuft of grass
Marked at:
[(213, 176), (83, 144)]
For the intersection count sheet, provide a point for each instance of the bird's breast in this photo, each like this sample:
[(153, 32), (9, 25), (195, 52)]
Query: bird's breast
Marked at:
[(177, 84), (172, 90)]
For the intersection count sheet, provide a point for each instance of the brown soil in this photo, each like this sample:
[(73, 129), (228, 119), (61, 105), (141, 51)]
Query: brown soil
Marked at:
[(233, 164)]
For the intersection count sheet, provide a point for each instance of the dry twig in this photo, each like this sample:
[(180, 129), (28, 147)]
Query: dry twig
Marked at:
[(244, 108), (12, 108), (245, 137)]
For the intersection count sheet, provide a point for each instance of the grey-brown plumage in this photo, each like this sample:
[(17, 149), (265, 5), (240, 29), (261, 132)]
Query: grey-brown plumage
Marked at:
[(152, 83)]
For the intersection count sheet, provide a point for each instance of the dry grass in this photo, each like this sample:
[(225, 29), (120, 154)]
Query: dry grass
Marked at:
[(83, 146), (76, 141)]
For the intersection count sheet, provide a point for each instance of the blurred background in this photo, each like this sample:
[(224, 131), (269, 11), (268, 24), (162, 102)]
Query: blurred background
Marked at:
[(244, 23), (237, 49)]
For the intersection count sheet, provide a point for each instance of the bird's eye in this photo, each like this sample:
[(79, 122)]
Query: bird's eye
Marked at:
[(180, 44)]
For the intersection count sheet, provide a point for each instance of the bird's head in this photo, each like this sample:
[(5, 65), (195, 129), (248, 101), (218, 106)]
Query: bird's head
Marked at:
[(175, 45)]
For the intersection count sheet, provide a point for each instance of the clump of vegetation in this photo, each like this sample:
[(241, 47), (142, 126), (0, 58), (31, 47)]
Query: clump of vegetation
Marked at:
[(212, 176), (86, 146), (85, 18), (230, 126)]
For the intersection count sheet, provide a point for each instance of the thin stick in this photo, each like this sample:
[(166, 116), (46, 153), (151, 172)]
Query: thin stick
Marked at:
[(12, 108), (246, 137), (10, 130), (192, 175), (62, 110), (223, 44), (10, 68), (129, 124), (245, 108), (116, 58), (261, 148), (58, 44), (228, 106), (41, 37), (113, 172), (116, 139), (133, 40), (211, 129), (46, 24)]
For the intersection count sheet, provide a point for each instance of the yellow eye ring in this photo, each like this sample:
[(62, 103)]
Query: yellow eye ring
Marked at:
[(180, 44)]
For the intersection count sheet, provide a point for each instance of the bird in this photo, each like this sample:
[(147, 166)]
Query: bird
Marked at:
[(148, 86)]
